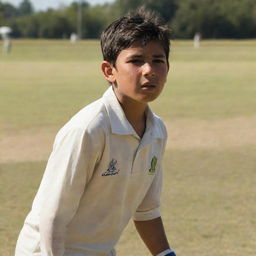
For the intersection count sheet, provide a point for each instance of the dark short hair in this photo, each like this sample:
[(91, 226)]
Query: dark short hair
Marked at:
[(142, 26)]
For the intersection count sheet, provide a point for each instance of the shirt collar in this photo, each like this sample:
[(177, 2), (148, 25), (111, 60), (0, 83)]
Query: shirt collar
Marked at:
[(120, 124)]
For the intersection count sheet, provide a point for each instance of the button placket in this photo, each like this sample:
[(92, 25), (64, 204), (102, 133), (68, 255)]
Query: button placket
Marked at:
[(136, 151)]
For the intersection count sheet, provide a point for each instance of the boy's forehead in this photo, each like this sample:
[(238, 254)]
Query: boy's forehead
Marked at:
[(137, 48)]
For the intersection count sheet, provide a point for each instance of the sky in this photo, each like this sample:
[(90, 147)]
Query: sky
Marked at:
[(44, 4)]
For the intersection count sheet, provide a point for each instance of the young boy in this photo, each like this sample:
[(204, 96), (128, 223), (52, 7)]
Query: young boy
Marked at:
[(105, 167)]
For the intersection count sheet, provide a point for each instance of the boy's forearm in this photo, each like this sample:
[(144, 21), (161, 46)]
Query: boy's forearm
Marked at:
[(153, 234), (52, 236)]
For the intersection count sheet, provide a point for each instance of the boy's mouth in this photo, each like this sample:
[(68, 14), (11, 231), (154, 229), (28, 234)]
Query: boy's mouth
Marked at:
[(148, 86)]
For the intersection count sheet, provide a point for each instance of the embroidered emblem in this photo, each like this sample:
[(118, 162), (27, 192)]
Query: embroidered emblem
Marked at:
[(112, 170), (152, 169)]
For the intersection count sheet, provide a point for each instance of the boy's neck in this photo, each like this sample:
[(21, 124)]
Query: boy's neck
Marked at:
[(135, 113)]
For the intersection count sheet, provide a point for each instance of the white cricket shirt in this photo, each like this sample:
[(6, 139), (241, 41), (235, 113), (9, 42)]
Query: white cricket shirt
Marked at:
[(100, 175)]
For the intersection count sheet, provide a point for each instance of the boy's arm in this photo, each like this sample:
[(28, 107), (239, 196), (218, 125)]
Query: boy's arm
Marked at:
[(68, 170), (153, 234)]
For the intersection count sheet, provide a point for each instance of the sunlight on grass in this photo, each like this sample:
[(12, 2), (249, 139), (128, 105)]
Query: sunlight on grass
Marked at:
[(209, 193)]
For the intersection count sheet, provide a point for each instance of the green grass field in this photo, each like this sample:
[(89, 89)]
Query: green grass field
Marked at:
[(208, 105)]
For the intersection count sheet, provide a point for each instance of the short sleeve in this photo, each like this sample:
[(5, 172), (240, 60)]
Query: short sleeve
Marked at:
[(69, 169), (149, 207)]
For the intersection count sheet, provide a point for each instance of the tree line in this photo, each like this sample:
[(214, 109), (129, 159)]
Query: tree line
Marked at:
[(211, 18)]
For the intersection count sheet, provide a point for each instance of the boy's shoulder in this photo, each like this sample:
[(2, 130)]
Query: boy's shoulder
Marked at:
[(90, 120), (103, 116), (87, 127), (91, 113), (94, 117), (160, 125)]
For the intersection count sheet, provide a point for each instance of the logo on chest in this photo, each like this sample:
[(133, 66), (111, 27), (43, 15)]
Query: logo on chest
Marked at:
[(112, 169), (152, 169)]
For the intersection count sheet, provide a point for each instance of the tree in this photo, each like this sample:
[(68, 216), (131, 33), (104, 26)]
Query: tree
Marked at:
[(212, 18), (75, 14), (8, 11), (202, 16), (166, 8), (123, 6), (26, 8), (241, 15), (95, 19), (26, 26), (53, 24), (215, 18)]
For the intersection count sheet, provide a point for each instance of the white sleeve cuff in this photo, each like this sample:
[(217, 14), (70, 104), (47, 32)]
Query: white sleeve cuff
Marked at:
[(148, 215), (166, 252)]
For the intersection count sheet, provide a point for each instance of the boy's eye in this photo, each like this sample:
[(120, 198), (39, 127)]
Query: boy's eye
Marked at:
[(159, 61), (136, 61)]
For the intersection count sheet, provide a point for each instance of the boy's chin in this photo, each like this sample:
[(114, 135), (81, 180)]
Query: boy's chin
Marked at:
[(148, 98)]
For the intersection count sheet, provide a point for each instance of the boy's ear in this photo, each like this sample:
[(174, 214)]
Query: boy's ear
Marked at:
[(107, 70)]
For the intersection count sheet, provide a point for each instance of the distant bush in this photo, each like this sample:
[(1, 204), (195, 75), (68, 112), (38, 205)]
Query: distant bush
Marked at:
[(212, 18)]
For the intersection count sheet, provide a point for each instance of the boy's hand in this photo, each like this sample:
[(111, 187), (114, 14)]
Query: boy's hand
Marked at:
[(153, 234)]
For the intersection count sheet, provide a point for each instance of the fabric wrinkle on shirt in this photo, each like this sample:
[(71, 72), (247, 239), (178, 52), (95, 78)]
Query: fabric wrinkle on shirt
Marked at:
[(99, 176)]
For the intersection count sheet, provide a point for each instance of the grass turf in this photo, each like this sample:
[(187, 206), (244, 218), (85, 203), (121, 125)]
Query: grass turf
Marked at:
[(208, 203), (209, 193)]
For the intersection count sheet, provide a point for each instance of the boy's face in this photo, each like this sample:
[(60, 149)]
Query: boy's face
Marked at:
[(140, 72)]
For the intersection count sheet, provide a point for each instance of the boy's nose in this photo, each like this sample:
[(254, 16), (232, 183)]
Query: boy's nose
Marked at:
[(148, 70)]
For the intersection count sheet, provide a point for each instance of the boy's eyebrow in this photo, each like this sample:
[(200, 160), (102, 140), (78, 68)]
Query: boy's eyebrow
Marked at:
[(135, 56), (141, 56), (159, 56)]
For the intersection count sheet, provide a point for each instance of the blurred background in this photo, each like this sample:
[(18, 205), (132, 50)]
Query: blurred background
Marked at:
[(50, 68), (59, 19)]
